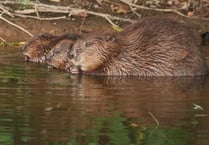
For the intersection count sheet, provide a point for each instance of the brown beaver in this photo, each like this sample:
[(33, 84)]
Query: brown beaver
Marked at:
[(150, 47), (38, 47), (57, 56)]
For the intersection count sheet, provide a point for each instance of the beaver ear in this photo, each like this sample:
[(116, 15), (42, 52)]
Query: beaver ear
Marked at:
[(111, 38)]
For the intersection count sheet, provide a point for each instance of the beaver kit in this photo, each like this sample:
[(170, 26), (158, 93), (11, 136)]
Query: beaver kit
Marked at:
[(150, 47), (39, 46), (36, 49), (57, 56)]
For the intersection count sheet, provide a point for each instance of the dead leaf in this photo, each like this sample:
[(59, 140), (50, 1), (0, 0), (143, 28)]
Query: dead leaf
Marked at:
[(119, 9), (190, 13)]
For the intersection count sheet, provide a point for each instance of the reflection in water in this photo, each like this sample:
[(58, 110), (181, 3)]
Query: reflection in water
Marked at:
[(40, 106)]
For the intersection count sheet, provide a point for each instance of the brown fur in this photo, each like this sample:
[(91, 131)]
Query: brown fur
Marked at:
[(151, 47), (57, 57), (38, 47), (100, 53)]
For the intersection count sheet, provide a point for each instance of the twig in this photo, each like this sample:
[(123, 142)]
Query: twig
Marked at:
[(160, 10), (37, 13), (157, 122), (39, 18), (6, 11), (134, 11), (83, 20), (109, 16), (3, 40), (17, 26), (155, 119)]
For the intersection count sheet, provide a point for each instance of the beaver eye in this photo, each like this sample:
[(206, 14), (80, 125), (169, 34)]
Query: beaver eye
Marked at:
[(88, 44), (111, 38)]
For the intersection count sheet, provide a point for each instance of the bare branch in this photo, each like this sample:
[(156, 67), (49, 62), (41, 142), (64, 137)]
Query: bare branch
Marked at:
[(17, 26), (38, 18), (4, 9)]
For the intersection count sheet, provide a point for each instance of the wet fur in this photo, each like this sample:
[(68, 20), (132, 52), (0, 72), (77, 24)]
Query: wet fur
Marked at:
[(151, 47), (57, 57), (102, 48), (38, 47)]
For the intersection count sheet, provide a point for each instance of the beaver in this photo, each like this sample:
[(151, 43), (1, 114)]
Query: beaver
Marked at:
[(57, 56), (150, 47), (38, 47)]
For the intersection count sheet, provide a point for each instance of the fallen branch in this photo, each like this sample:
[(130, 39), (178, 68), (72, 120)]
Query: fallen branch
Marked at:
[(39, 18)]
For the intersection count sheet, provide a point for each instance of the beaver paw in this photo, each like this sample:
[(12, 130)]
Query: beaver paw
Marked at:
[(74, 70)]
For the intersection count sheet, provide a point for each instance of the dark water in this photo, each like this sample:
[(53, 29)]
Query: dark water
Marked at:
[(50, 107)]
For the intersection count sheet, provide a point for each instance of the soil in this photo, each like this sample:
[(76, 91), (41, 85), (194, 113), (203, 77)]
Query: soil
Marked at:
[(12, 34), (83, 25)]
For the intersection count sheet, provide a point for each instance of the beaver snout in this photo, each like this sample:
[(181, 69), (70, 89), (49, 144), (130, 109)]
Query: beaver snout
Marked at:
[(75, 70), (27, 56)]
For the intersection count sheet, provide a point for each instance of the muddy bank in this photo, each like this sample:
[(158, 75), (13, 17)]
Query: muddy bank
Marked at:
[(83, 22), (78, 25), (10, 33)]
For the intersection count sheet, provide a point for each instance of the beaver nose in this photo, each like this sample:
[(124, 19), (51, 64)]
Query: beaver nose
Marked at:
[(50, 67), (74, 70), (27, 58)]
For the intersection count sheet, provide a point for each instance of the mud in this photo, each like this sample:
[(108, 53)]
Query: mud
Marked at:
[(92, 23)]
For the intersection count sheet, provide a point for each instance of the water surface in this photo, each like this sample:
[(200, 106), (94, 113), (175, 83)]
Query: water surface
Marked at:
[(50, 107)]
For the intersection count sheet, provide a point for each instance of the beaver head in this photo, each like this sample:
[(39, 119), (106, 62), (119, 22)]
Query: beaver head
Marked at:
[(90, 53), (57, 56), (36, 49)]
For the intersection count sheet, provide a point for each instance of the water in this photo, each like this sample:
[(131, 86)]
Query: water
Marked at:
[(50, 107)]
